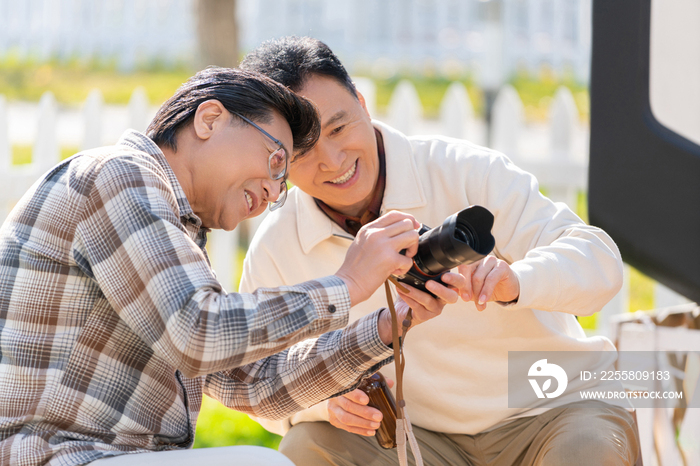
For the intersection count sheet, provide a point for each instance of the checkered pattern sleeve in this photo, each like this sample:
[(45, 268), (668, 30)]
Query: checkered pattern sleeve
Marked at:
[(309, 372), (131, 241)]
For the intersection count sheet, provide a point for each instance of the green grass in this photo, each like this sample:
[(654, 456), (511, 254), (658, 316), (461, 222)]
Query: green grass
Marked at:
[(220, 426)]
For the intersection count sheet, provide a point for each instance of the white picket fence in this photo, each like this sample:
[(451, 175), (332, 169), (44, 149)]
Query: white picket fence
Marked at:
[(555, 151)]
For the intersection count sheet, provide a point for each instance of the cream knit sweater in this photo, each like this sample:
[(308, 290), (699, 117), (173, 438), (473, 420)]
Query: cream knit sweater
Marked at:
[(456, 377)]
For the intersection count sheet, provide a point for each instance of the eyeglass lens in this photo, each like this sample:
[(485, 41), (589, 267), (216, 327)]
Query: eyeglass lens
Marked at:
[(278, 164), (281, 198)]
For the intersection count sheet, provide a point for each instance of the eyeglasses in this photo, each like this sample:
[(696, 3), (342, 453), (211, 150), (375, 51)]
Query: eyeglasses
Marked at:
[(277, 165)]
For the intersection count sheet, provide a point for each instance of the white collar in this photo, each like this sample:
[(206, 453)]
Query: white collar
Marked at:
[(403, 191)]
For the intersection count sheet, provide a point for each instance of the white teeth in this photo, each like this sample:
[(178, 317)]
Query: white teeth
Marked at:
[(249, 200), (342, 179)]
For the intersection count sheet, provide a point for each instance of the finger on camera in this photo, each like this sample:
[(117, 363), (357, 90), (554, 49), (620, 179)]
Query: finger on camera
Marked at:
[(420, 313), (393, 217), (406, 240), (418, 298), (424, 298), (454, 281), (397, 228), (447, 294), (412, 250), (404, 265), (388, 218), (407, 294)]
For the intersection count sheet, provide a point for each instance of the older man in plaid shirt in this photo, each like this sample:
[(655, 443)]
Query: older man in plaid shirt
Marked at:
[(112, 323)]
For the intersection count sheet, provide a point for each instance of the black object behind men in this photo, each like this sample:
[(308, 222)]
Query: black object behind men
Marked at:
[(644, 179)]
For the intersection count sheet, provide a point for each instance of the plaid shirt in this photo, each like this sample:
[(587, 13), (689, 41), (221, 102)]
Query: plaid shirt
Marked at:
[(112, 323)]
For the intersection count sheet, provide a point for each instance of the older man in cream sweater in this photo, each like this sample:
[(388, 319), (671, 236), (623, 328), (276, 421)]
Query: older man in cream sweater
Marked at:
[(547, 268)]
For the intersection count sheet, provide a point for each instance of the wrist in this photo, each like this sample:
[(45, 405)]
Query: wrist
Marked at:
[(384, 326), (353, 289)]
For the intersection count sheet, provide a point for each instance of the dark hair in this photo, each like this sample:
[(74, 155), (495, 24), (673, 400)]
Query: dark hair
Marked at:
[(245, 92), (290, 61)]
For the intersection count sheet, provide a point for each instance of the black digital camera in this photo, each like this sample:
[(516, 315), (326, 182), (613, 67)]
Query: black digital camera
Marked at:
[(463, 238)]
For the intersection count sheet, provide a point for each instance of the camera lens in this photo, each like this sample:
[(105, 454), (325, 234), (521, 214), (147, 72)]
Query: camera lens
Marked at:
[(465, 234), (464, 237)]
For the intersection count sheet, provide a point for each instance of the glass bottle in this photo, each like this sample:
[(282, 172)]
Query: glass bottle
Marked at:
[(381, 398)]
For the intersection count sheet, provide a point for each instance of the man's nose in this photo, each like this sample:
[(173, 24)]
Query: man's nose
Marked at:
[(272, 190), (330, 155)]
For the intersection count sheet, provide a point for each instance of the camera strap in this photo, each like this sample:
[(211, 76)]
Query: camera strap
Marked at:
[(404, 430)]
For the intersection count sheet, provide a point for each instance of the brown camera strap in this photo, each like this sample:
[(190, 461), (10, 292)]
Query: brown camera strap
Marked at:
[(404, 430)]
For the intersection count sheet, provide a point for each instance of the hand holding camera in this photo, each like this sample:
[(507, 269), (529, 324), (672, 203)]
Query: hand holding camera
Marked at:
[(352, 412), (463, 238), (424, 305), (376, 253)]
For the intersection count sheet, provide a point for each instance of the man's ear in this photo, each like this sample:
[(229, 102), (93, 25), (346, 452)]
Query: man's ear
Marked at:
[(361, 98), (208, 116)]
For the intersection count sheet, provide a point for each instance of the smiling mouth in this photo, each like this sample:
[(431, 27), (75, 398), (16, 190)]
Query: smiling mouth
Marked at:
[(345, 177), (249, 200)]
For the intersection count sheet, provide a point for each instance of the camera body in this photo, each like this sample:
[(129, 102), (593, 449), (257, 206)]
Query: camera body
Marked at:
[(463, 238)]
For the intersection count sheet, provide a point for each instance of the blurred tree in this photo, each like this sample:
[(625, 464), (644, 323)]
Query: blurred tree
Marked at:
[(217, 33)]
